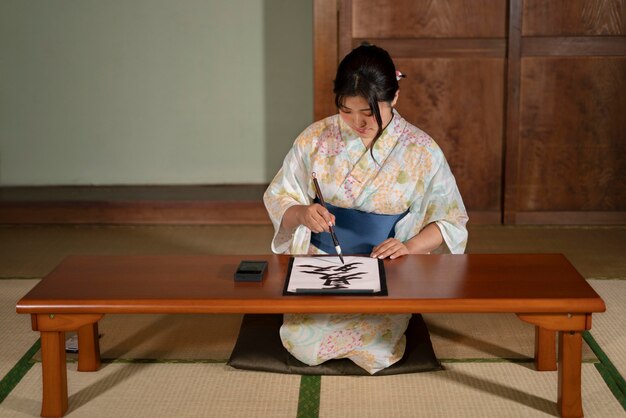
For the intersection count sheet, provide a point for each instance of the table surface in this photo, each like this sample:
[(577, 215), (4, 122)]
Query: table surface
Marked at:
[(519, 283)]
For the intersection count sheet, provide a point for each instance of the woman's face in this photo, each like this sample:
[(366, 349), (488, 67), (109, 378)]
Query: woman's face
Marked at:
[(356, 113)]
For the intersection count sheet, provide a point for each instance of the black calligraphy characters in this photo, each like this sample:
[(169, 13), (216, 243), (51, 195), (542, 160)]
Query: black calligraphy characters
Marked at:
[(335, 277)]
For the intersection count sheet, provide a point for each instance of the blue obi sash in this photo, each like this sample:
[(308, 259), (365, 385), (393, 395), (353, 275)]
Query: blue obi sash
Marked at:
[(358, 232)]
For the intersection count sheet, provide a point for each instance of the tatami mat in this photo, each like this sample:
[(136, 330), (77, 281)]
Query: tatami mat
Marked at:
[(484, 336), (465, 389), (609, 328), (462, 390), (214, 390), (596, 251), (163, 337), (17, 335), (163, 390), (33, 251), (169, 336), (212, 337)]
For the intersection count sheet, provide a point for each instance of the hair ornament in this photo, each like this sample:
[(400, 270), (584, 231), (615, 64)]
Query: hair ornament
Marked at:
[(399, 75)]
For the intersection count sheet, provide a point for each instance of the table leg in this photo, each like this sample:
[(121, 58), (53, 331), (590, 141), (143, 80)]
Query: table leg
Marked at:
[(570, 365), (88, 348), (54, 372), (545, 349)]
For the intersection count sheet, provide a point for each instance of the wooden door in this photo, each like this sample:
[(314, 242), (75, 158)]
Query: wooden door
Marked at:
[(453, 53), (567, 143), (522, 96)]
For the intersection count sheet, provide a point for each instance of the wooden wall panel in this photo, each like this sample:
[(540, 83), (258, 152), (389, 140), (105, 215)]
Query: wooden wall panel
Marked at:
[(459, 103), (428, 18), (453, 52), (572, 135), (325, 57), (525, 97), (574, 17), (511, 136)]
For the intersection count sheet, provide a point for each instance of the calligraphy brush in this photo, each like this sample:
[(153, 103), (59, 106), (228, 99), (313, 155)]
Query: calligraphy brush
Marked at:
[(318, 192)]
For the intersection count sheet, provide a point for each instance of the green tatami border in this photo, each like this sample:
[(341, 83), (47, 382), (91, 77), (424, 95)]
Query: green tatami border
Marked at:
[(74, 359), (607, 369), (161, 361), (611, 383), (500, 360), (309, 397), (310, 386), (15, 375)]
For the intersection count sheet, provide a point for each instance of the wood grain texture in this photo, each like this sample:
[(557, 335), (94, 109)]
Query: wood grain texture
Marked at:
[(570, 218), (135, 212), (574, 17), (569, 398), (545, 349), (345, 28), (123, 193), (572, 135), (66, 323), (416, 283), (438, 48), (556, 322), (54, 374), (428, 18), (574, 46), (325, 57), (92, 205), (531, 178), (459, 102), (208, 204), (88, 348), (511, 141)]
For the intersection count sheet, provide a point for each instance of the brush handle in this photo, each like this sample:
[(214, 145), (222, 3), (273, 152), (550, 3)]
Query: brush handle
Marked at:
[(318, 192)]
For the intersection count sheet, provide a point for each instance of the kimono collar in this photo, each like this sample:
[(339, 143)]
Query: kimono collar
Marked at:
[(389, 138), (383, 145)]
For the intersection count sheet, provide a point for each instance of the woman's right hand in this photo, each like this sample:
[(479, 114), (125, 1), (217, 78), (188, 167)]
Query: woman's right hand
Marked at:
[(315, 217)]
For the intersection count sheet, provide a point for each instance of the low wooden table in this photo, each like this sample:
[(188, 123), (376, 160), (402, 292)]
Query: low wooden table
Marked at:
[(542, 289)]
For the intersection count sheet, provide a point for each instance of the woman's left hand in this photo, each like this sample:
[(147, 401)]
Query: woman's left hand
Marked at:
[(391, 248)]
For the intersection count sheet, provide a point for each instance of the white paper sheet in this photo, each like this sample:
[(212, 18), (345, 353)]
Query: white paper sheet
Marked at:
[(317, 273)]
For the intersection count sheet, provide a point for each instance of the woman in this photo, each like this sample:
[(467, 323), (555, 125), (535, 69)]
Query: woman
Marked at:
[(384, 179)]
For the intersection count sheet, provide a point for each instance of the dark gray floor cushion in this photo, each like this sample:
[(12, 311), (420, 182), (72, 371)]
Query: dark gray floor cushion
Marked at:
[(259, 347)]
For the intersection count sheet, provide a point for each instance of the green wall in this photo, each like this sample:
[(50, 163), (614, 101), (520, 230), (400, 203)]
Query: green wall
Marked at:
[(151, 91)]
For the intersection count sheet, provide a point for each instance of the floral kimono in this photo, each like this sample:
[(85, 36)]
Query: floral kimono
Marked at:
[(408, 173)]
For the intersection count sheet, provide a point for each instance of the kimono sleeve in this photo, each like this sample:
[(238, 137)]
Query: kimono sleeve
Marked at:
[(288, 188), (442, 204), (446, 208)]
